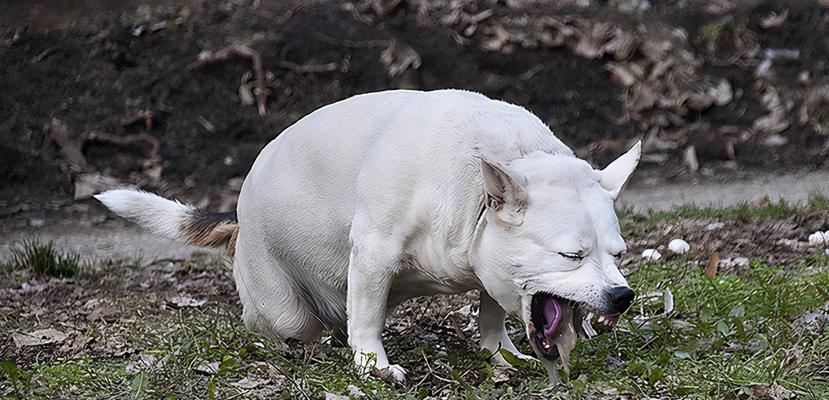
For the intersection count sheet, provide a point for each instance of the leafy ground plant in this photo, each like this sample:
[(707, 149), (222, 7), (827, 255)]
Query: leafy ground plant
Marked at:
[(758, 329)]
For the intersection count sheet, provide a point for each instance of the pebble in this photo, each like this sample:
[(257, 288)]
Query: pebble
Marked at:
[(679, 246), (714, 226), (819, 238), (651, 254)]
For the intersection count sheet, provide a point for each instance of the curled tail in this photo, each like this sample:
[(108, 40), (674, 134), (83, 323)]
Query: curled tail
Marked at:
[(174, 220)]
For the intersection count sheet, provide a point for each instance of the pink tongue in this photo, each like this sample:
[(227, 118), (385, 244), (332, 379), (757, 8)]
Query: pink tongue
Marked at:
[(552, 313)]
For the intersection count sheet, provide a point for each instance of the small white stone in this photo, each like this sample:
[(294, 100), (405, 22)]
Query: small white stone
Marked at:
[(651, 254), (714, 226), (741, 261), (819, 238), (679, 246), (734, 262)]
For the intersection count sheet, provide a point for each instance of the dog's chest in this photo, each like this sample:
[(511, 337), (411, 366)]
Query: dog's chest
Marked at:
[(410, 283), (431, 271)]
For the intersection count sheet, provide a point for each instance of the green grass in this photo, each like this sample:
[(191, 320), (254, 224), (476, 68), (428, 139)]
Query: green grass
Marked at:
[(43, 259), (726, 334), (767, 210)]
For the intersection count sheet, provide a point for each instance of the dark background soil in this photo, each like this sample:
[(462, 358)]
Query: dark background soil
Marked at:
[(68, 68)]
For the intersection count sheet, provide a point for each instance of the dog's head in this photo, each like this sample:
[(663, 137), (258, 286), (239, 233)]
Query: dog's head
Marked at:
[(549, 245)]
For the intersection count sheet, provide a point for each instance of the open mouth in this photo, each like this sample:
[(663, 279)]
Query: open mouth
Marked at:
[(549, 316)]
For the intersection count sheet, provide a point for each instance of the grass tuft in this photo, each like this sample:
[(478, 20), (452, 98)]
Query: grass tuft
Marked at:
[(43, 259), (745, 211)]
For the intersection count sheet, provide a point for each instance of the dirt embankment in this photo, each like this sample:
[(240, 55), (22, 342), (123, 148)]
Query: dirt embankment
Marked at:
[(100, 94)]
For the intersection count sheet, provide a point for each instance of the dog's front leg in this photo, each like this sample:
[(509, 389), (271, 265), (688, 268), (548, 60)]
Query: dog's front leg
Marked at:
[(370, 273), (493, 331)]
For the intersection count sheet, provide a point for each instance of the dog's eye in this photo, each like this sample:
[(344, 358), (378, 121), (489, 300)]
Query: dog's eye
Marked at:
[(573, 256)]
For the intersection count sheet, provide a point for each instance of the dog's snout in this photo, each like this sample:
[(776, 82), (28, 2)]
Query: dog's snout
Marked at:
[(620, 298)]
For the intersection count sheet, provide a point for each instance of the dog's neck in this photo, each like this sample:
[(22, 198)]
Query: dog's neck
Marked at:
[(474, 245)]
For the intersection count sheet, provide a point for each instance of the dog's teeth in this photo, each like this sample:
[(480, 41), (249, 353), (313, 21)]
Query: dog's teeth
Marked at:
[(601, 318), (546, 345), (588, 329), (591, 317)]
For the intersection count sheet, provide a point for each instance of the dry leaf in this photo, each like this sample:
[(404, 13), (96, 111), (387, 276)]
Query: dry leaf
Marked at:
[(399, 57), (668, 301), (773, 392), (333, 396), (250, 383), (208, 368), (500, 373), (713, 262), (774, 19), (39, 337), (186, 301)]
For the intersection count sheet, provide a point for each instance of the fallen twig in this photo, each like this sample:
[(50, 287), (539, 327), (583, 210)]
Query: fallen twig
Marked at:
[(43, 54), (354, 44), (242, 51), (309, 68), (99, 136), (146, 115)]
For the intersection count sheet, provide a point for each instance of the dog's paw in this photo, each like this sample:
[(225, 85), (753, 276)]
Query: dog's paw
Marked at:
[(397, 373), (393, 372)]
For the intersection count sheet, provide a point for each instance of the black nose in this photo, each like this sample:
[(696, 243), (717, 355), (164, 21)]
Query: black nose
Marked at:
[(619, 299)]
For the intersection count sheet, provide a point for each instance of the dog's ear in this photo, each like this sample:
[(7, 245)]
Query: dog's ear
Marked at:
[(614, 176), (504, 194)]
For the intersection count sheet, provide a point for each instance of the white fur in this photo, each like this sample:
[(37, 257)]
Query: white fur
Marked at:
[(156, 214), (377, 199), (614, 176)]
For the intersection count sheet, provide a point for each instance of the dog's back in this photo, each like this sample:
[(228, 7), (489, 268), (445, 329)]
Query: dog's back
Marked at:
[(403, 159)]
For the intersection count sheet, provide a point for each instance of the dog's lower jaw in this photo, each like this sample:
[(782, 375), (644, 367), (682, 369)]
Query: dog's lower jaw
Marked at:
[(552, 371), (494, 336)]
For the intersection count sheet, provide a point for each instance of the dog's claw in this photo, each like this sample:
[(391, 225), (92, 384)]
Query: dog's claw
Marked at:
[(396, 372)]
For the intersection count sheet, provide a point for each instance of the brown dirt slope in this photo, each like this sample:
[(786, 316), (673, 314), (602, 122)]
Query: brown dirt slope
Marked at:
[(97, 94)]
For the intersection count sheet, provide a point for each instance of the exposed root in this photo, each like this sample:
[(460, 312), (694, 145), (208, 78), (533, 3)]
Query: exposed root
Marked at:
[(309, 68), (99, 136), (70, 149), (241, 51)]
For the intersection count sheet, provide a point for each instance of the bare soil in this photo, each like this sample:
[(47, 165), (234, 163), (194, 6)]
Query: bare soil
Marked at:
[(98, 93)]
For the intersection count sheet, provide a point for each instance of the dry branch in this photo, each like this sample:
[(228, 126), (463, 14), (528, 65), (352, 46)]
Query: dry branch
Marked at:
[(99, 136), (309, 68), (241, 51)]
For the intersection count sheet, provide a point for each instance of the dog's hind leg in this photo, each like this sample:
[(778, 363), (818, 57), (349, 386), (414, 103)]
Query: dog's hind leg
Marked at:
[(494, 337), (271, 303)]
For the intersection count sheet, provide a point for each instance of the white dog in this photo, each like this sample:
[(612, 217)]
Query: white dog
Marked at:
[(386, 196)]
